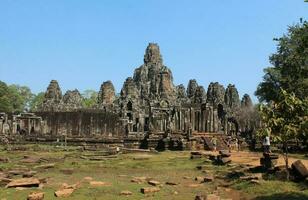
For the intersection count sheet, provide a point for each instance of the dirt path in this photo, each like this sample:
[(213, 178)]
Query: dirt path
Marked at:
[(253, 158)]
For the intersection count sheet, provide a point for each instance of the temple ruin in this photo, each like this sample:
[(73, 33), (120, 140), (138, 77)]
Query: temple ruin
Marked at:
[(149, 112)]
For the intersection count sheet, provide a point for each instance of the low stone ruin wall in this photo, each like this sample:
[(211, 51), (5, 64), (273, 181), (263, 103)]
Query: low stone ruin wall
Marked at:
[(81, 124)]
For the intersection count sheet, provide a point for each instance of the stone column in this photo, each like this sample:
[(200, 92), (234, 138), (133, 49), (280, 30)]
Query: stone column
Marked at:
[(29, 126), (203, 120), (215, 116), (211, 120), (192, 113), (200, 121)]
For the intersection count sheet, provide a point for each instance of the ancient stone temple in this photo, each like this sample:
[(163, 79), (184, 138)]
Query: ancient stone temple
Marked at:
[(149, 111)]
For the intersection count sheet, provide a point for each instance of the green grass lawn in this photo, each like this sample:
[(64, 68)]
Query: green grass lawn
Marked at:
[(163, 167)]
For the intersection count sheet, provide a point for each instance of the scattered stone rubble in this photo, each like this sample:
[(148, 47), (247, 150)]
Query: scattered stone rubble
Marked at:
[(36, 196)]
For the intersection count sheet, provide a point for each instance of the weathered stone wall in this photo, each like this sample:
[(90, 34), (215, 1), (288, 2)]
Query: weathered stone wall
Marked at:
[(82, 123)]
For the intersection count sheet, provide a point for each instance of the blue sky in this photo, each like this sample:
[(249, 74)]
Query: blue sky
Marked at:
[(83, 43)]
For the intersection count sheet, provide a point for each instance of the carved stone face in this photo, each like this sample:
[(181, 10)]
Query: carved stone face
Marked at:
[(107, 93), (181, 91), (53, 92), (152, 54)]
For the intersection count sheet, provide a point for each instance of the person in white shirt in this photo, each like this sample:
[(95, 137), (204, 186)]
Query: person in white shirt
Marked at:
[(266, 144)]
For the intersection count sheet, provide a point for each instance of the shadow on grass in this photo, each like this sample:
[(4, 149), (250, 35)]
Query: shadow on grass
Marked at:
[(284, 196)]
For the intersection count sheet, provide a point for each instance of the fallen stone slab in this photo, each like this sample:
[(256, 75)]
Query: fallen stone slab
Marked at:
[(224, 153), (24, 182), (130, 150), (154, 183), (126, 193), (46, 166), (36, 196), (257, 176), (300, 169), (171, 183), (139, 179), (64, 193), (193, 185), (147, 190), (99, 183), (67, 186)]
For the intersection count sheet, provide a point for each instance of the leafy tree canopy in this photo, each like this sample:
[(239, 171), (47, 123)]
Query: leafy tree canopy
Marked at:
[(14, 98), (290, 66), (37, 101), (89, 98)]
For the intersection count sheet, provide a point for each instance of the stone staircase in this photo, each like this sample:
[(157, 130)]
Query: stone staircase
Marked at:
[(207, 137)]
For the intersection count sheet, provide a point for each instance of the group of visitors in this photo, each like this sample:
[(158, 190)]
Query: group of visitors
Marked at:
[(235, 144), (231, 143)]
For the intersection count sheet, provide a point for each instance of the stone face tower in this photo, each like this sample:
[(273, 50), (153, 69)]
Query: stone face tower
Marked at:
[(106, 95), (71, 100), (53, 92), (53, 97), (232, 99), (153, 79), (152, 55)]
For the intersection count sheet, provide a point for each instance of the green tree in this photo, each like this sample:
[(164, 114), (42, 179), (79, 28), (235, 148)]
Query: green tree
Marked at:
[(285, 120), (5, 103), (20, 97), (89, 98), (37, 101), (290, 66)]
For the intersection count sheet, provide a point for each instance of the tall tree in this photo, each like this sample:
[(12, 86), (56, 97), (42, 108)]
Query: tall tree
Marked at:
[(5, 103), (20, 97), (285, 120), (290, 66), (36, 101)]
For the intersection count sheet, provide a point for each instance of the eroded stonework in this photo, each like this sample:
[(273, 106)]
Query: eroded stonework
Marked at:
[(53, 97), (150, 109), (106, 95)]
